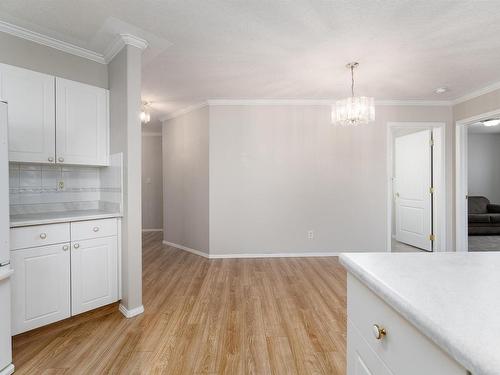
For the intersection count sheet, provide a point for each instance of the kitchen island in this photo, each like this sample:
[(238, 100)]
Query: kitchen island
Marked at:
[(423, 313)]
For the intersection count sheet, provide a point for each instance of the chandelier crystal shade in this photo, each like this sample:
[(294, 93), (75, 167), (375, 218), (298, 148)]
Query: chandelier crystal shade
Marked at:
[(145, 115), (355, 110)]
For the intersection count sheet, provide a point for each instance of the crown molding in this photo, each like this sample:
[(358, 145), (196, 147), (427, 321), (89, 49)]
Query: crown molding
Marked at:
[(184, 111), (474, 94), (416, 103), (322, 102), (51, 42), (121, 41)]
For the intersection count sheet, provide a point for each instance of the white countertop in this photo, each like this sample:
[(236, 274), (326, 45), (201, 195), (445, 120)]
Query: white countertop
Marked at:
[(452, 298), (23, 220)]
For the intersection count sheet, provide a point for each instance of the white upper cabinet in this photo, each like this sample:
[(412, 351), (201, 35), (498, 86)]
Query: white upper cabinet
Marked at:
[(31, 112), (82, 132)]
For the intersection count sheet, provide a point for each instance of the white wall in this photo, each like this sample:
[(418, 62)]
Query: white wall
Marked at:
[(152, 181), (278, 171), (484, 165), (185, 176)]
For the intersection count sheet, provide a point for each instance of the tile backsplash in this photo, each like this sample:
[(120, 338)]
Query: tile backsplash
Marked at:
[(52, 187)]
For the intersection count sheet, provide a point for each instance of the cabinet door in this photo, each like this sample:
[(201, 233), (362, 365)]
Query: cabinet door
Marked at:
[(31, 113), (82, 132), (361, 360), (40, 286), (94, 273)]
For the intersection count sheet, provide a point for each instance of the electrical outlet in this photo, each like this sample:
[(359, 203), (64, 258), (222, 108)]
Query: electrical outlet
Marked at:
[(310, 234)]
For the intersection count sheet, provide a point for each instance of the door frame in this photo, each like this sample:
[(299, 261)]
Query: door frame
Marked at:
[(439, 178), (461, 179)]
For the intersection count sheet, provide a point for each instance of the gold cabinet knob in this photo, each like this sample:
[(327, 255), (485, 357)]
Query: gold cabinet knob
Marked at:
[(379, 332), (43, 236), (76, 245), (60, 159), (65, 248)]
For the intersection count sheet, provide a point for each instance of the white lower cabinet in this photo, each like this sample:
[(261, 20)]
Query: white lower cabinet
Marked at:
[(40, 286), (94, 274), (382, 342), (58, 280)]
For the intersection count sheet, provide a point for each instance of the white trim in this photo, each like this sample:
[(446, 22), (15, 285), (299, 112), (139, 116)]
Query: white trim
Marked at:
[(251, 255), (325, 102), (274, 255), (461, 178), (131, 313), (146, 134), (8, 370), (414, 103), (121, 41), (152, 230), (48, 41), (439, 217), (185, 248), (184, 111), (485, 90)]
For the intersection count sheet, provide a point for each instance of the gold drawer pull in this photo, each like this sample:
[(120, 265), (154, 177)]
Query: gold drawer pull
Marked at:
[(378, 332)]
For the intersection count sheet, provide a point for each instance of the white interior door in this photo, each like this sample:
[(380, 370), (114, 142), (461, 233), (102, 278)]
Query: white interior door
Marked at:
[(413, 182)]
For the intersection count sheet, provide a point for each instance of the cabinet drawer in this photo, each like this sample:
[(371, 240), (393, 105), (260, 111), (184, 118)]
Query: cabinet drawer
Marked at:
[(403, 349), (83, 230), (38, 235)]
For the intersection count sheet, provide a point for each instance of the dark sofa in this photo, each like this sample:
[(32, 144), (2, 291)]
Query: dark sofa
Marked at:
[(484, 217)]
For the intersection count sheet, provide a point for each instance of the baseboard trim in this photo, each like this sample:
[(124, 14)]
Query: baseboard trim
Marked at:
[(250, 255), (131, 313), (188, 249), (274, 255), (152, 230), (8, 370)]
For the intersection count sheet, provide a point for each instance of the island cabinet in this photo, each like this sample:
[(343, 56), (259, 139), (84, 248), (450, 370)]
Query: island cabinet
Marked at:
[(54, 120), (382, 342), (62, 270)]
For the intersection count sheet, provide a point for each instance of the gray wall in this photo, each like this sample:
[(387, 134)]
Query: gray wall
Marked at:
[(278, 171), (484, 166), (125, 131), (185, 180), (25, 54), (152, 182)]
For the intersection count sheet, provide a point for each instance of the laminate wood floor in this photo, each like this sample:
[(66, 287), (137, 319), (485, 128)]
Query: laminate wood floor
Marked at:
[(231, 316)]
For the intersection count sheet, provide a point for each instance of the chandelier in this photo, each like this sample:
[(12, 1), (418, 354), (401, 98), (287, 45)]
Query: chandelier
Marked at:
[(355, 110), (145, 114)]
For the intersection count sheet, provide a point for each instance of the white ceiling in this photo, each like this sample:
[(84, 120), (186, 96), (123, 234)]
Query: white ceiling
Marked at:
[(215, 49)]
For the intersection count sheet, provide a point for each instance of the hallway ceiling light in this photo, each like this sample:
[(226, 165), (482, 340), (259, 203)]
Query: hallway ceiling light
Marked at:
[(355, 110), (145, 115), (441, 90), (492, 122)]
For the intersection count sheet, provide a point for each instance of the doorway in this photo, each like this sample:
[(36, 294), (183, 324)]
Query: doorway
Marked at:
[(478, 183), (416, 187)]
